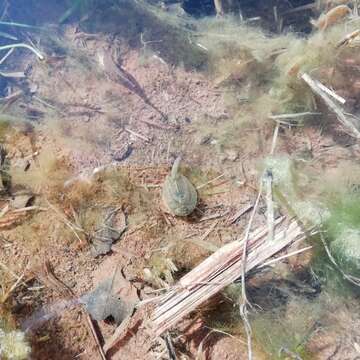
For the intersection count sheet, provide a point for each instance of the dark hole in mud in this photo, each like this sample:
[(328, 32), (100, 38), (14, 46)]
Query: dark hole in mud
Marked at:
[(199, 8), (269, 13), (110, 320)]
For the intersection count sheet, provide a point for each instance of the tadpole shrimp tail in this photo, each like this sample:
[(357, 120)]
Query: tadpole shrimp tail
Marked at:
[(175, 167)]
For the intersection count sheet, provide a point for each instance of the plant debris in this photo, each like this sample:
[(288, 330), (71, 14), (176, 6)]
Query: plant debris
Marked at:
[(114, 298), (108, 232)]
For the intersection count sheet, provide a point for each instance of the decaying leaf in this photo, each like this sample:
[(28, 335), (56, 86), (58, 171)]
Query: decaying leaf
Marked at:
[(113, 298), (112, 227)]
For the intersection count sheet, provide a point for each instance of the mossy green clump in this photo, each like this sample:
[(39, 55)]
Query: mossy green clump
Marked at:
[(286, 331), (343, 232), (160, 271), (295, 190)]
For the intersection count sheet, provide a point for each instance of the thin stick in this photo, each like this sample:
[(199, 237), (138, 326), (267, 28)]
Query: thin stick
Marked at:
[(202, 243), (337, 97), (4, 210), (356, 8), (29, 208), (332, 106), (270, 262), (240, 213), (6, 55), (348, 38), (19, 25), (225, 333), (245, 302), (276, 17), (10, 272), (246, 238), (293, 115), (209, 182), (15, 74), (8, 36), (268, 180), (41, 101), (300, 8), (6, 296), (137, 135), (22, 45), (214, 216), (275, 136)]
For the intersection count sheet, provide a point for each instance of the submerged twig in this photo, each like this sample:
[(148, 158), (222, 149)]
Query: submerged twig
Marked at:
[(292, 115), (245, 302), (219, 8), (140, 136), (22, 45), (6, 55), (314, 85), (330, 92), (209, 182), (268, 181), (8, 293), (8, 36), (296, 252), (29, 208), (16, 24), (15, 74), (348, 38), (240, 213)]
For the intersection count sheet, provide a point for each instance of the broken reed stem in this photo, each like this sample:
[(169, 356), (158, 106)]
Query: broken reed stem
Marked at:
[(314, 85), (219, 270), (26, 46)]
